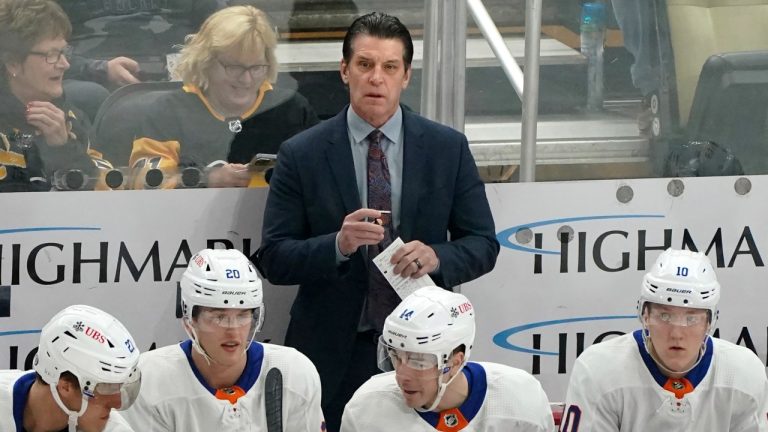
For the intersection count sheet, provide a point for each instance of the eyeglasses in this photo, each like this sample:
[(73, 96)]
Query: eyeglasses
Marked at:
[(417, 361), (235, 71), (228, 320), (681, 320), (53, 56)]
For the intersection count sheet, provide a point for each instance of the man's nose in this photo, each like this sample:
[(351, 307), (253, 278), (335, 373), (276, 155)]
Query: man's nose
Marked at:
[(376, 75)]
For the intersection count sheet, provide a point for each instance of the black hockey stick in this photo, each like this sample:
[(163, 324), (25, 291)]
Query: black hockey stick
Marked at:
[(273, 400)]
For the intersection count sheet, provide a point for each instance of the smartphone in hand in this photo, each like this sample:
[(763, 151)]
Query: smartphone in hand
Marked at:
[(262, 162)]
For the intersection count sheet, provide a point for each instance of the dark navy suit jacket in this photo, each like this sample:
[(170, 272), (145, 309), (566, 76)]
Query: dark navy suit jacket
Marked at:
[(313, 188)]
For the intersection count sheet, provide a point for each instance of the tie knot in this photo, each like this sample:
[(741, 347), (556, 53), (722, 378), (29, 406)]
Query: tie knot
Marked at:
[(374, 138)]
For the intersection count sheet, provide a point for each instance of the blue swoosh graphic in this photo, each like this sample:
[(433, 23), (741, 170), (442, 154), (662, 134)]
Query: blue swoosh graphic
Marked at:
[(18, 332), (504, 236), (501, 339), (22, 230)]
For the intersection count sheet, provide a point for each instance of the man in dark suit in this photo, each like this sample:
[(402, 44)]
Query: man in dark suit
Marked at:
[(316, 229)]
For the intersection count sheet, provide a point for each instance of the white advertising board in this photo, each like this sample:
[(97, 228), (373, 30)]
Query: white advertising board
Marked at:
[(547, 300), (542, 305), (123, 252)]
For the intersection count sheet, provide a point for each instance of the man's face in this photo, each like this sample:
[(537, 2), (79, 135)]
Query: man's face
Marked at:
[(418, 376), (419, 387), (376, 75), (95, 417), (225, 333), (676, 334)]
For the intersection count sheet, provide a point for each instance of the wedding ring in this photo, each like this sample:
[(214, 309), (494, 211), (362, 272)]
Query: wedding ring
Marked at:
[(418, 263)]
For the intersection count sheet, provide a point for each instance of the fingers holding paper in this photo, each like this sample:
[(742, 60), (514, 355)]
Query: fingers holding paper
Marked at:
[(414, 259)]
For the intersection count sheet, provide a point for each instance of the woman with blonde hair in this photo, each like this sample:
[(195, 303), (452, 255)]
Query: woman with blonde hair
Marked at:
[(228, 110)]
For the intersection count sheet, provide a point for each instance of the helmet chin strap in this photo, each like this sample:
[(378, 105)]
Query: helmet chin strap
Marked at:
[(190, 330), (647, 341), (72, 415), (442, 387)]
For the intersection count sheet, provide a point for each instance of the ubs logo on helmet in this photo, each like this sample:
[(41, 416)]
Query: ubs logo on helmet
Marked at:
[(95, 334)]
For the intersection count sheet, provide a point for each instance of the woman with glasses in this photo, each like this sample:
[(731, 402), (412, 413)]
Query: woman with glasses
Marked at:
[(671, 375), (227, 111), (40, 133)]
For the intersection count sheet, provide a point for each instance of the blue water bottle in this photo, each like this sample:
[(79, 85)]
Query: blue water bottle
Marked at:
[(593, 22)]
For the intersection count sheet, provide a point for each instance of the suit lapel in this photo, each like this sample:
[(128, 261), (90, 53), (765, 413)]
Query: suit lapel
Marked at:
[(414, 159), (339, 158)]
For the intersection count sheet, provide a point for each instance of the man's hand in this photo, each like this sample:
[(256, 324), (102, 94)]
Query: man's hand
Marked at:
[(49, 120), (414, 259), (122, 71), (356, 231), (229, 175)]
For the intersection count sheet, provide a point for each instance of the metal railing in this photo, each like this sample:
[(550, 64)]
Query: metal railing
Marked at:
[(444, 60)]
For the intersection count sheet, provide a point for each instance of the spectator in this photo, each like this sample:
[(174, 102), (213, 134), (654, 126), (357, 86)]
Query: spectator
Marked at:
[(85, 367), (431, 385), (124, 42), (219, 379), (670, 375), (40, 131), (228, 111), (637, 21), (373, 156)]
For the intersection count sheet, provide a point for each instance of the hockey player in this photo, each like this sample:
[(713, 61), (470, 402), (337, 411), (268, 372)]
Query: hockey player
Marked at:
[(84, 368), (221, 379), (427, 340), (671, 375)]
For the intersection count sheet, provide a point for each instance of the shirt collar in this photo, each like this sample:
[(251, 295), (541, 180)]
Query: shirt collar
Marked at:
[(361, 128)]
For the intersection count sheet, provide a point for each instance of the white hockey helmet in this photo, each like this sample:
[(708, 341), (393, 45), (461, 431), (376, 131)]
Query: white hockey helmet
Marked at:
[(681, 278), (96, 348), (429, 325), (221, 279)]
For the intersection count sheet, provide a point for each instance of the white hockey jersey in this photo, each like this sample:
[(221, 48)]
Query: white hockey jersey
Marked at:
[(616, 386), (14, 389), (501, 399), (175, 397)]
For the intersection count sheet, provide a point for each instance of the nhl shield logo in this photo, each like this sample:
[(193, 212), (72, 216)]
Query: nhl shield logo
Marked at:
[(451, 420), (678, 385)]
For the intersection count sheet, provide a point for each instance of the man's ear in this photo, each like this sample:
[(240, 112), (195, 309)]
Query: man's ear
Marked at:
[(66, 387), (458, 359), (344, 71), (407, 78)]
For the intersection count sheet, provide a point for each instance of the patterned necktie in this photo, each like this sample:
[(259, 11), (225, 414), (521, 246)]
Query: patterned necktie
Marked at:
[(379, 187), (382, 298)]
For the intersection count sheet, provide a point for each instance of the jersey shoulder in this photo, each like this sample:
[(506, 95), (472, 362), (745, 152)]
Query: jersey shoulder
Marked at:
[(299, 373), (738, 367)]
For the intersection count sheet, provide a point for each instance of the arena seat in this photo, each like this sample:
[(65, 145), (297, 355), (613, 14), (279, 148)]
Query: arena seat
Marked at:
[(120, 116), (701, 28)]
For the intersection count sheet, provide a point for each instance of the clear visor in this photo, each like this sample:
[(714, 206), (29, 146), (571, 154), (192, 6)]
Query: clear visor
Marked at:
[(213, 319), (128, 390), (686, 319), (422, 365)]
